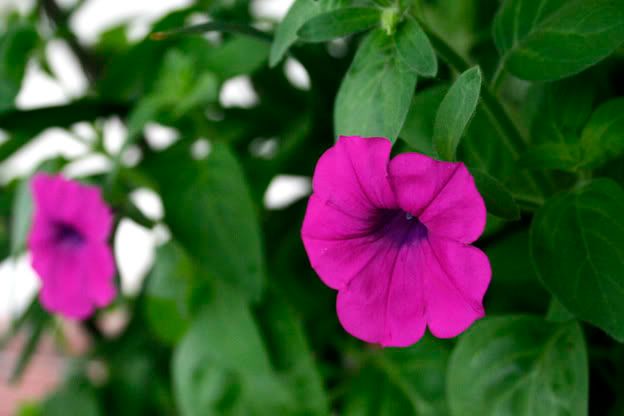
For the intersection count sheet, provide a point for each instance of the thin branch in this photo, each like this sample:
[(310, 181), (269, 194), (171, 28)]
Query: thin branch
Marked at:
[(60, 21)]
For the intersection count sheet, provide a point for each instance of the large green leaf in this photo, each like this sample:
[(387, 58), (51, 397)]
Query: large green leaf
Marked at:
[(455, 112), (221, 366), (375, 95), (577, 244), (603, 137), (338, 23), (552, 39), (16, 45), (407, 381), (521, 366), (210, 212)]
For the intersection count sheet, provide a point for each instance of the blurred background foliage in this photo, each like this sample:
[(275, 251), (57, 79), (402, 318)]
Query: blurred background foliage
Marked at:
[(231, 319)]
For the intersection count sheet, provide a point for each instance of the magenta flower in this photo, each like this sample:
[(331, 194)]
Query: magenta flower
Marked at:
[(68, 244), (393, 237)]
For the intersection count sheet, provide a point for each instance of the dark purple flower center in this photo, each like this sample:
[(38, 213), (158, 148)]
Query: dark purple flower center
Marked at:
[(67, 235), (399, 226)]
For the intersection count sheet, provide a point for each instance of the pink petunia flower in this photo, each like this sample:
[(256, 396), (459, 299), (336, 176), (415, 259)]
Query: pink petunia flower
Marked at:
[(393, 237), (68, 244)]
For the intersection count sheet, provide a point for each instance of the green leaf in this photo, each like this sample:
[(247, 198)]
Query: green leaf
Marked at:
[(557, 312), (375, 95), (498, 199), (22, 216), (286, 34), (415, 49), (603, 137), (221, 365), (80, 400), (455, 112), (577, 244), (418, 128), (167, 290), (561, 156), (210, 212), (238, 56), (519, 365), (339, 23), (406, 381), (292, 356), (16, 45), (552, 39)]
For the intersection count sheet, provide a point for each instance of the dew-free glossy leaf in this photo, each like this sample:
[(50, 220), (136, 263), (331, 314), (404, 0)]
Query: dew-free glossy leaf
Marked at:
[(520, 366), (577, 245), (455, 112), (551, 39), (221, 365), (16, 44), (375, 94), (603, 136), (338, 23), (415, 49), (406, 381), (210, 212)]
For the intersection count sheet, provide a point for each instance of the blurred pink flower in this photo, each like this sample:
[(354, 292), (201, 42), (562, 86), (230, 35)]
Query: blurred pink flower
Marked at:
[(69, 248), (393, 237)]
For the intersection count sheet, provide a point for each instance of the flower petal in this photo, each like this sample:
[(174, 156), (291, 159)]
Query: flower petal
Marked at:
[(384, 304), (82, 206), (353, 175), (75, 281), (335, 241), (457, 277), (63, 283), (441, 194), (100, 271)]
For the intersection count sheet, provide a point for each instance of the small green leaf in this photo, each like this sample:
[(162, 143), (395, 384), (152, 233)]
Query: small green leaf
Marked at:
[(557, 312), (415, 49), (455, 112), (22, 217), (80, 400), (551, 39), (498, 199), (603, 137), (286, 34), (338, 23), (375, 95), (521, 366), (577, 245)]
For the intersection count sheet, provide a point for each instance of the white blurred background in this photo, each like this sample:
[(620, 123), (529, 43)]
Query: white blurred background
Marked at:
[(134, 245)]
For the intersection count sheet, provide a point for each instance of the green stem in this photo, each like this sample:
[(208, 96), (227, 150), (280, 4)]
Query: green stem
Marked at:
[(215, 27), (498, 78)]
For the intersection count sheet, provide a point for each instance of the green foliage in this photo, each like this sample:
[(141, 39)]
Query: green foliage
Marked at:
[(375, 95), (455, 112), (209, 209), (231, 319), (577, 243), (337, 23), (519, 365), (552, 39)]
